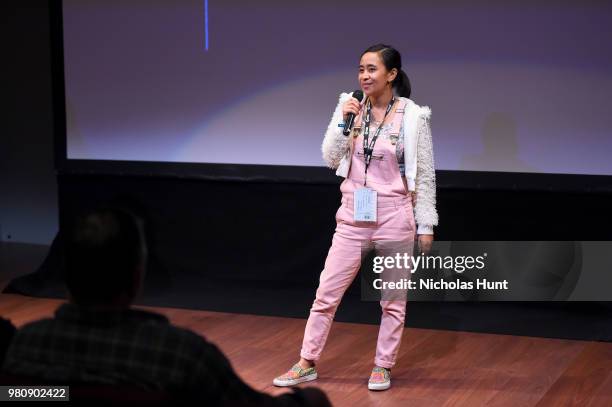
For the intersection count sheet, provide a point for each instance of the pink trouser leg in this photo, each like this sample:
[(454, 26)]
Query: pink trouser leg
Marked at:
[(390, 332), (341, 267), (393, 304)]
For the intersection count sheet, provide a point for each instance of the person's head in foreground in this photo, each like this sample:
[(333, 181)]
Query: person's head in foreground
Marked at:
[(105, 258)]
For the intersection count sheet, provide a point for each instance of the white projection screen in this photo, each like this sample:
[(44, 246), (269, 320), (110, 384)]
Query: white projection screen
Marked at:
[(514, 86)]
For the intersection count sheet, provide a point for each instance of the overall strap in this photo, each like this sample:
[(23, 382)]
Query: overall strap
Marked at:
[(398, 117), (358, 121)]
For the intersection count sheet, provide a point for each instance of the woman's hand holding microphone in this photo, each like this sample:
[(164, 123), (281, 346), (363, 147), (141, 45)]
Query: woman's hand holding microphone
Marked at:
[(350, 106)]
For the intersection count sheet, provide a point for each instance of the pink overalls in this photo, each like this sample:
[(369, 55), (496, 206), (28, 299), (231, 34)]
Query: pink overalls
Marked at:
[(395, 222)]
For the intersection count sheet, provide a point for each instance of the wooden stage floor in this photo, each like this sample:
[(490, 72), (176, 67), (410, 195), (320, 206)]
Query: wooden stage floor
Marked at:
[(434, 368)]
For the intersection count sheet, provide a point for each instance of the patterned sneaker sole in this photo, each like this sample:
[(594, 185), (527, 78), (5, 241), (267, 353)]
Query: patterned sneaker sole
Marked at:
[(292, 382), (379, 386)]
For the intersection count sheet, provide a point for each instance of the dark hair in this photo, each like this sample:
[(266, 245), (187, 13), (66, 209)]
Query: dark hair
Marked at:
[(392, 59), (105, 254)]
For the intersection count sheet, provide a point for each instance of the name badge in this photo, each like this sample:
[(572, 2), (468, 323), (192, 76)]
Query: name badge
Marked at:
[(364, 205)]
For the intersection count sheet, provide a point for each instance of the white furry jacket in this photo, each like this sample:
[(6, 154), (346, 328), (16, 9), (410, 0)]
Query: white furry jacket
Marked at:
[(418, 152)]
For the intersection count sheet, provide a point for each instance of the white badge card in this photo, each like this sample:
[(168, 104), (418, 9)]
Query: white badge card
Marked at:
[(364, 205)]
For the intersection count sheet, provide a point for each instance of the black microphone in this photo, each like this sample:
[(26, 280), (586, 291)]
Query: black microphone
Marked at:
[(348, 123)]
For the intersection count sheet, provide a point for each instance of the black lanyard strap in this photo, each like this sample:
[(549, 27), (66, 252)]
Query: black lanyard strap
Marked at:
[(368, 146)]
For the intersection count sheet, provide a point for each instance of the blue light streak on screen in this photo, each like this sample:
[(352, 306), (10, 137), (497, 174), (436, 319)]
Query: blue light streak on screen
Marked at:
[(206, 25)]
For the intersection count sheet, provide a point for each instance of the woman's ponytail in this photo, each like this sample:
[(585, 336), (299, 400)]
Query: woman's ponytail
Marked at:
[(401, 84)]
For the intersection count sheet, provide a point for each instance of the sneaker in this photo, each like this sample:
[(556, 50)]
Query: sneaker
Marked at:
[(380, 379), (295, 375)]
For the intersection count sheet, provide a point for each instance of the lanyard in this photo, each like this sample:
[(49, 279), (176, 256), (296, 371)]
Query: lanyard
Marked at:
[(368, 146)]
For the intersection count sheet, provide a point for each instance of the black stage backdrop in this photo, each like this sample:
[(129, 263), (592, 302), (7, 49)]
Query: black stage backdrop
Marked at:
[(258, 248)]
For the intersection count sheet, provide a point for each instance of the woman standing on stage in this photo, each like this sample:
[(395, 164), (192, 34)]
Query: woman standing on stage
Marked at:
[(387, 163)]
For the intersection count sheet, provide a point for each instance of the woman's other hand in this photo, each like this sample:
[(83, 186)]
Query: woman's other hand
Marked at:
[(425, 242)]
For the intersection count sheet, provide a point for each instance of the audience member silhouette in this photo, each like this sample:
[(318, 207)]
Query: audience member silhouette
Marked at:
[(7, 331), (97, 337)]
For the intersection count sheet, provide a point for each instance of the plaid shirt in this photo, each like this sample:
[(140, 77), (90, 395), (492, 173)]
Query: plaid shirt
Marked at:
[(127, 346)]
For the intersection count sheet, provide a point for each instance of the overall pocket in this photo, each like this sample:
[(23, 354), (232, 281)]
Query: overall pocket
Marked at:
[(379, 171)]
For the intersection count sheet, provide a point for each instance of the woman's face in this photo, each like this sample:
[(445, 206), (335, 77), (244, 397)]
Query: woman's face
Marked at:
[(373, 76)]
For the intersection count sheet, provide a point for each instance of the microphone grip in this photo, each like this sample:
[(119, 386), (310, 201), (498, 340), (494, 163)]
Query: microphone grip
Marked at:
[(348, 124), (350, 119)]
